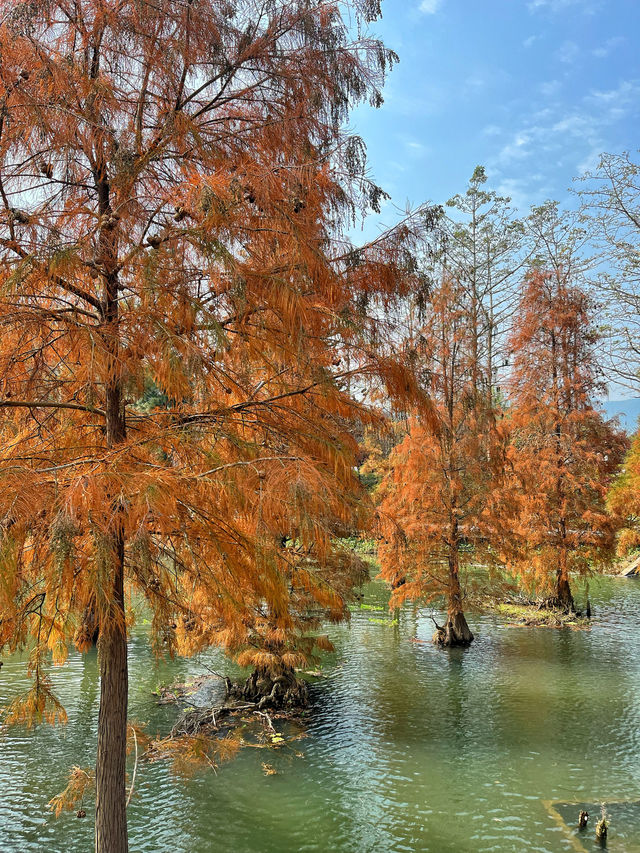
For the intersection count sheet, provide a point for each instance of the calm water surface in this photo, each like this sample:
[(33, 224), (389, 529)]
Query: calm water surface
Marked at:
[(409, 748)]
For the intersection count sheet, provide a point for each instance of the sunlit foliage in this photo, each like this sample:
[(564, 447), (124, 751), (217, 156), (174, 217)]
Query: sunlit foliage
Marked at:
[(434, 494), (175, 296), (563, 455)]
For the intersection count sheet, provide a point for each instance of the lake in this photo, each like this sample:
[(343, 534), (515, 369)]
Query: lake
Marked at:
[(408, 747)]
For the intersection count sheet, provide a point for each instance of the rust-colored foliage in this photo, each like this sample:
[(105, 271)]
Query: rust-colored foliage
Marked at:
[(81, 784), (375, 448), (562, 454), (434, 494), (191, 753), (623, 499), (173, 181)]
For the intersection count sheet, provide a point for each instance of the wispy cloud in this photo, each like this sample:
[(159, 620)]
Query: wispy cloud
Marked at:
[(568, 52), (590, 161), (524, 192), (430, 7), (528, 42), (432, 97), (613, 104), (549, 88), (518, 148), (587, 7), (556, 135), (476, 81), (414, 148), (608, 47)]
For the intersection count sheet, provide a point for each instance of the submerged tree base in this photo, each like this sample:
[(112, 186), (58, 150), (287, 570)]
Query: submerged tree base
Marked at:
[(284, 695), (268, 690), (455, 632), (559, 605), (208, 736)]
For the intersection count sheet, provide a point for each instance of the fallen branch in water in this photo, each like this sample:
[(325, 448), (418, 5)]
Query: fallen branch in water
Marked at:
[(135, 767)]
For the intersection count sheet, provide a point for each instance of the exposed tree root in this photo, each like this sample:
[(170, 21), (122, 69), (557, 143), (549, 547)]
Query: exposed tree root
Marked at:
[(268, 690), (560, 605), (455, 632), (283, 694)]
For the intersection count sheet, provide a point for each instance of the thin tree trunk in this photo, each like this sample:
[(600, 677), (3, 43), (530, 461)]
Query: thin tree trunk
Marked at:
[(111, 805), (111, 810), (563, 599), (456, 632)]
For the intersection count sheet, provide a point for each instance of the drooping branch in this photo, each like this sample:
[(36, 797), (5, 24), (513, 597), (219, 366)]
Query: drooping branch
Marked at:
[(46, 404)]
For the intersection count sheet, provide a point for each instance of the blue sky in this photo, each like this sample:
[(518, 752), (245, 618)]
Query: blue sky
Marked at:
[(532, 89)]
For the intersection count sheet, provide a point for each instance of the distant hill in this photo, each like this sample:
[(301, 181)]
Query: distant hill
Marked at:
[(627, 410)]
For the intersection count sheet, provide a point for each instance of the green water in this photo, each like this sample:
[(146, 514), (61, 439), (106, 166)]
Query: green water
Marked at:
[(409, 748)]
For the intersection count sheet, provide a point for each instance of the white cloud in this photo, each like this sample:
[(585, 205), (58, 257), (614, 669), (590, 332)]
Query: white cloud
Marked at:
[(484, 78), (616, 102), (476, 81), (516, 149), (430, 7), (587, 7), (608, 47), (574, 124), (590, 161), (572, 138), (568, 52), (529, 41), (413, 148), (549, 88), (434, 97), (523, 192)]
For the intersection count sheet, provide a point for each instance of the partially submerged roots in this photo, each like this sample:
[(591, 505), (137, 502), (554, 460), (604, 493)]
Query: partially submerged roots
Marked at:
[(282, 694), (275, 691), (561, 605), (563, 599), (455, 632), (200, 720)]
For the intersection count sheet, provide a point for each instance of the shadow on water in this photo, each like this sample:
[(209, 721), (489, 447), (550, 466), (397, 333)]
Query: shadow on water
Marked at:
[(409, 748)]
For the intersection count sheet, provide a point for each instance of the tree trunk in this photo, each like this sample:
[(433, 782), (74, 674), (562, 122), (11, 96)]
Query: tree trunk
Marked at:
[(564, 598), (111, 802), (111, 809), (88, 631), (455, 632)]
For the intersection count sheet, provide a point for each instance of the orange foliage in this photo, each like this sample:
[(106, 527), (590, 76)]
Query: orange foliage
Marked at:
[(81, 783), (434, 495), (175, 293), (170, 307), (623, 500), (191, 753), (563, 455)]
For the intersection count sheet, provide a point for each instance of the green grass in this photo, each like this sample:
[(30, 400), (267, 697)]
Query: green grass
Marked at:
[(527, 614), (359, 545)]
